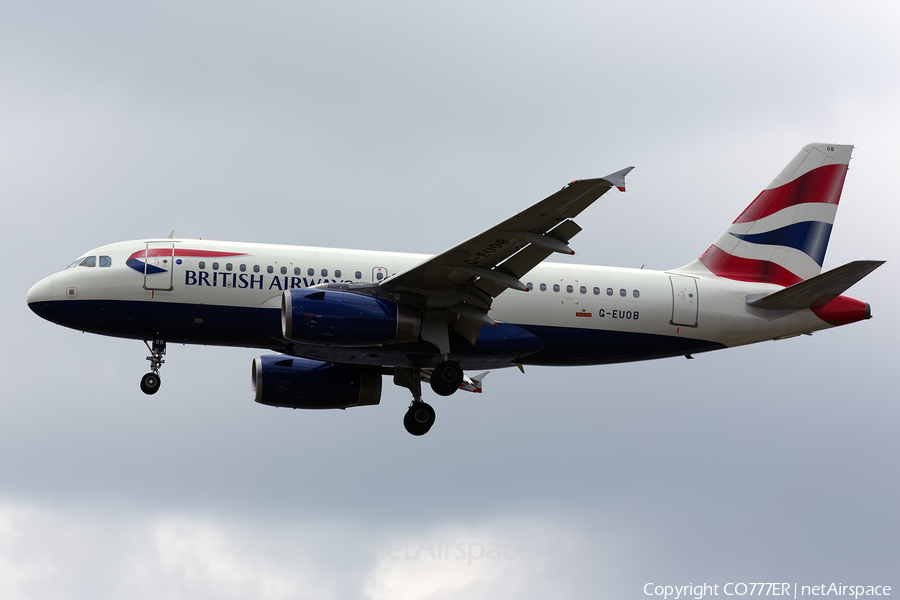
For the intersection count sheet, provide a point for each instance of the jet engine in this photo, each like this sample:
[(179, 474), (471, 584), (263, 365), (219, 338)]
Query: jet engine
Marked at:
[(342, 318), (303, 383)]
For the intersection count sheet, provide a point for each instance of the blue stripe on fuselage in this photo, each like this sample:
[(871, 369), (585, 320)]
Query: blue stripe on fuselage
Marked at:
[(261, 328), (139, 266)]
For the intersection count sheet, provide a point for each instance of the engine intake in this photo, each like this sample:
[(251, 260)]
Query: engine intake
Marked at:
[(342, 318), (303, 383)]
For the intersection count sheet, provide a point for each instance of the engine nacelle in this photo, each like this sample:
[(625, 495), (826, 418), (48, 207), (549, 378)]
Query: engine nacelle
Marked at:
[(303, 383), (342, 318)]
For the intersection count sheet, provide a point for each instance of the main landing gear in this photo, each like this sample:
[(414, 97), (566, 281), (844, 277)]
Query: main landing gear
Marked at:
[(420, 416), (150, 382), (445, 379)]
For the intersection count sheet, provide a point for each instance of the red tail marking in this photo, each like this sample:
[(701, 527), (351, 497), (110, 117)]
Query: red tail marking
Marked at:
[(729, 266), (822, 185)]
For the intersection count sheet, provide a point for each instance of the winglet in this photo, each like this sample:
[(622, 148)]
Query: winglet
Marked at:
[(618, 178)]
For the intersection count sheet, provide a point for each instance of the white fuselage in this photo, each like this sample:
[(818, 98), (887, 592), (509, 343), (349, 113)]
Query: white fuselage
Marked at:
[(609, 314)]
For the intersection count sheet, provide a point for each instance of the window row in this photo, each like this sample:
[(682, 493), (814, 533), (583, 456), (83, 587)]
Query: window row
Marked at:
[(283, 270), (583, 289), (91, 261)]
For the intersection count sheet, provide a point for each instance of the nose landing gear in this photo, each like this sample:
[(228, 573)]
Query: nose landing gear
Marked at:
[(150, 382)]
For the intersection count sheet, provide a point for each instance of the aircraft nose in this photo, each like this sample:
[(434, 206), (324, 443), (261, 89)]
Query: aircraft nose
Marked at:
[(42, 291)]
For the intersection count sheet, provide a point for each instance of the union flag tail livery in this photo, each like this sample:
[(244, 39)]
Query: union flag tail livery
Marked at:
[(340, 320), (782, 236)]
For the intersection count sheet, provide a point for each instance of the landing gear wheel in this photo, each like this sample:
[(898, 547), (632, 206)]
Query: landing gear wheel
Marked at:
[(419, 418), (150, 383), (446, 378)]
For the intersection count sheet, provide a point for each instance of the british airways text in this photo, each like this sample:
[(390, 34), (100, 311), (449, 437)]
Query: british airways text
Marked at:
[(250, 281)]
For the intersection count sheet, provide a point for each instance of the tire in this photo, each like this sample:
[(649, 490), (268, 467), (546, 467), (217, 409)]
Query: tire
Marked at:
[(150, 383), (419, 418), (446, 378)]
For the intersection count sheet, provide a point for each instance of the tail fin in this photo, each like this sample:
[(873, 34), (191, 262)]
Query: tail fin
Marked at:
[(782, 236)]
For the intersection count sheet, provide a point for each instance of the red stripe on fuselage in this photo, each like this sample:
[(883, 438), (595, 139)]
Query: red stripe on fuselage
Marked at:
[(729, 266), (183, 252), (821, 185)]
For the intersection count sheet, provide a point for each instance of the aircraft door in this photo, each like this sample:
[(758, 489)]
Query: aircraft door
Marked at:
[(685, 301), (159, 266), (379, 274)]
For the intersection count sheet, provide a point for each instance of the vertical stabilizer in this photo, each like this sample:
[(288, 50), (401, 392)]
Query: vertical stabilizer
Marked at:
[(782, 236)]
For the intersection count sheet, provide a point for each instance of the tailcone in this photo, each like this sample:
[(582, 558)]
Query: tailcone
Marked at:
[(843, 310)]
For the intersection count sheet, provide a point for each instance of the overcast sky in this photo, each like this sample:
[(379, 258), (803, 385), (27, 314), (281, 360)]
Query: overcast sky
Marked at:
[(410, 126)]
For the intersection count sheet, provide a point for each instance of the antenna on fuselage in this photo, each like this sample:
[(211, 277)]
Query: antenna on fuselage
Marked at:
[(171, 235)]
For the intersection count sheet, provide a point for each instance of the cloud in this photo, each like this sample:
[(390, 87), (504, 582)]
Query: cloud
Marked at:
[(52, 553), (107, 552), (409, 127)]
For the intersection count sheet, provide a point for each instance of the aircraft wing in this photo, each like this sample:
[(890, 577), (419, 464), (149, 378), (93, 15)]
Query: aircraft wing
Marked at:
[(468, 276)]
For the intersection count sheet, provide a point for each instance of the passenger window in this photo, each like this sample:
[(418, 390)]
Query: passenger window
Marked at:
[(379, 276), (596, 291), (543, 287), (530, 286), (555, 287), (569, 289), (228, 266), (89, 261), (296, 270), (215, 266), (310, 271), (583, 290), (105, 261), (202, 265), (256, 268), (284, 270), (337, 273), (243, 268), (609, 292), (270, 269), (623, 293), (324, 272), (358, 275), (637, 294)]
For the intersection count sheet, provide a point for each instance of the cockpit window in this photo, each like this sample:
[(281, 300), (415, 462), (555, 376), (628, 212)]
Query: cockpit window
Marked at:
[(105, 261), (89, 261), (74, 263)]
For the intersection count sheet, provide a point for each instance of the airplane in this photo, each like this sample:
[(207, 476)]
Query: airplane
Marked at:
[(339, 320)]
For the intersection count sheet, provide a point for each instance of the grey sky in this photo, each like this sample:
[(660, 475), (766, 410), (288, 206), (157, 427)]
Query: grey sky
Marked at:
[(408, 127)]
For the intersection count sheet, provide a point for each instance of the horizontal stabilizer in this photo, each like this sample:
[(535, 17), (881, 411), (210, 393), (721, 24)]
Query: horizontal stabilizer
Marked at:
[(818, 290), (473, 384)]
